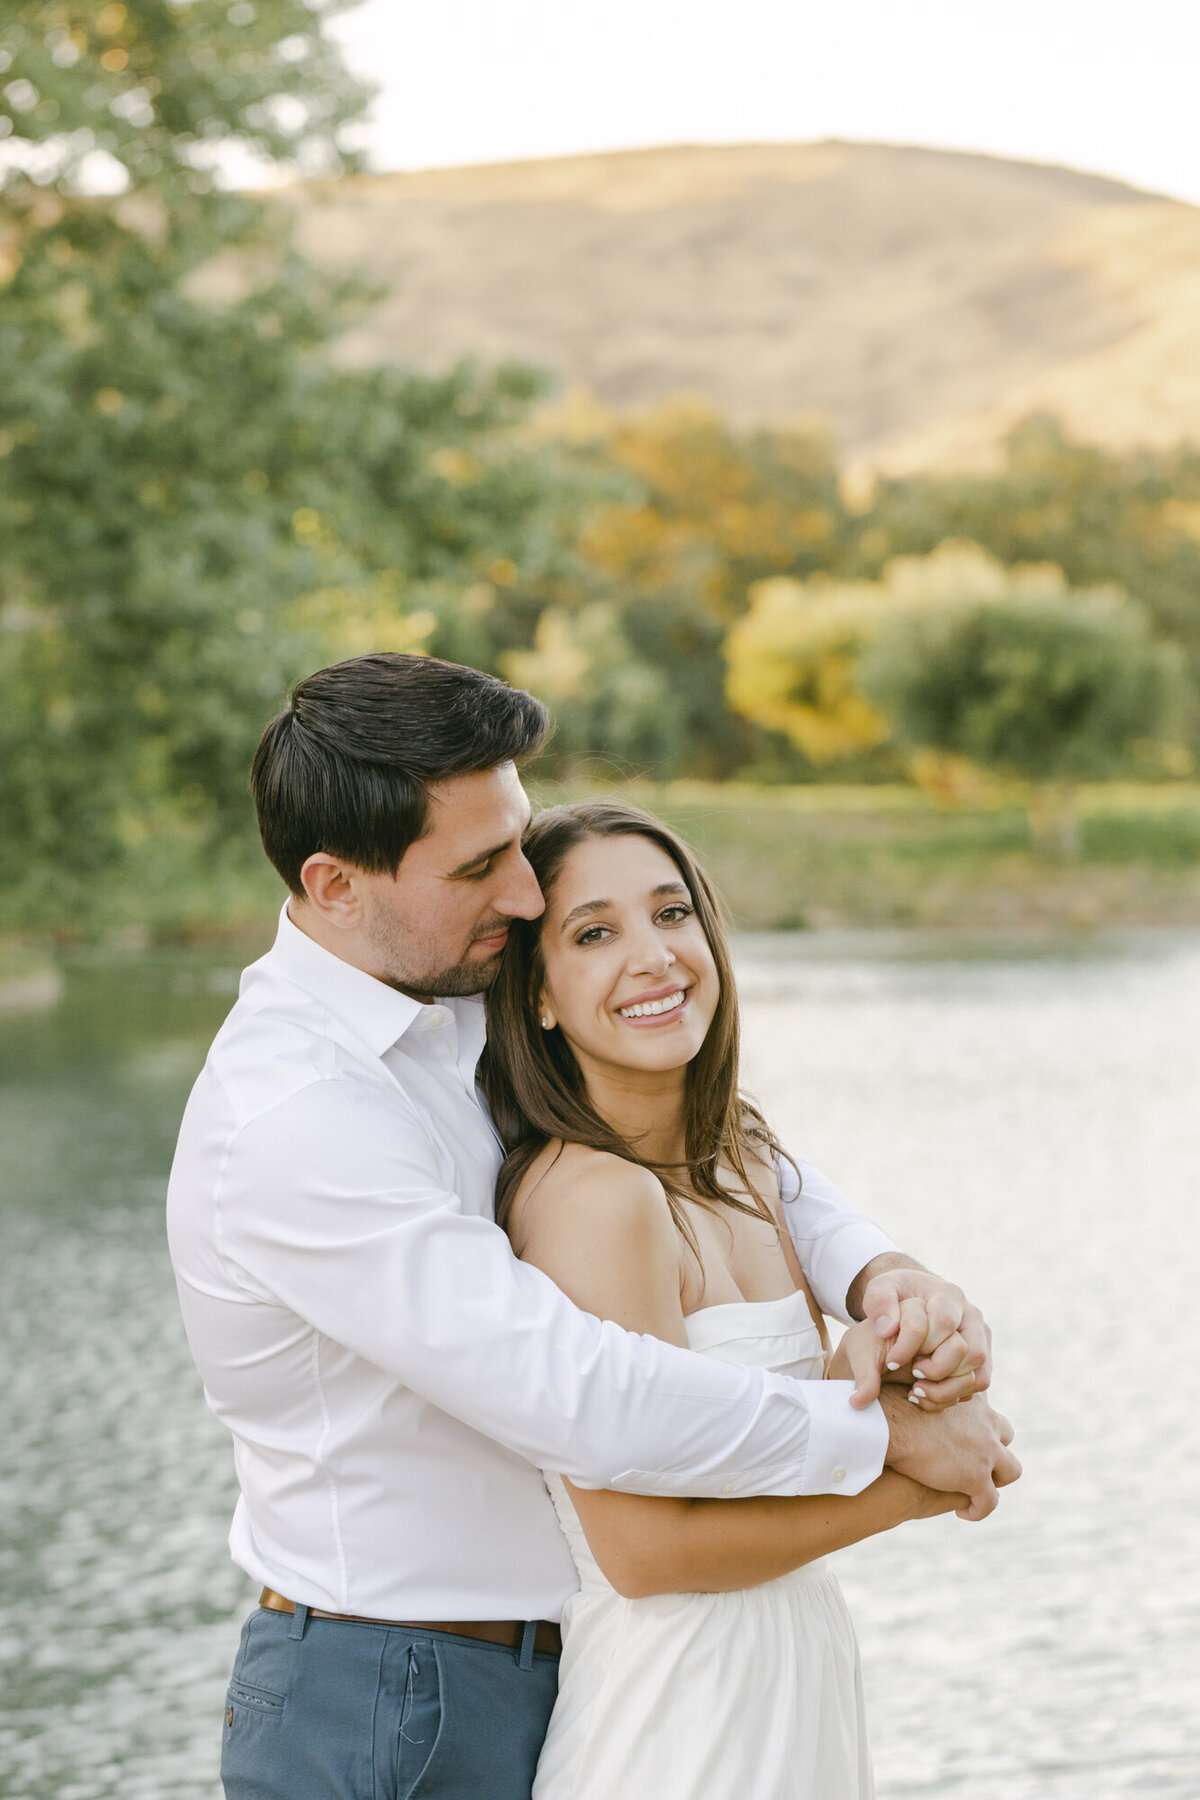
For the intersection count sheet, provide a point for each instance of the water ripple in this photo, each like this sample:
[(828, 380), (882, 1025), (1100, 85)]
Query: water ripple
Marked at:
[(1025, 1122)]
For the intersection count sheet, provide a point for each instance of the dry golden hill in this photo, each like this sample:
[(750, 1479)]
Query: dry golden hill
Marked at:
[(920, 300)]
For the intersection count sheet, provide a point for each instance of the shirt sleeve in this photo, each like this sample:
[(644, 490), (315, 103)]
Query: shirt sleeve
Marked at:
[(337, 1209), (833, 1242)]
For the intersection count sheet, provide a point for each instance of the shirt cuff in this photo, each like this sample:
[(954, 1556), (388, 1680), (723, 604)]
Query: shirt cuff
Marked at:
[(846, 1447)]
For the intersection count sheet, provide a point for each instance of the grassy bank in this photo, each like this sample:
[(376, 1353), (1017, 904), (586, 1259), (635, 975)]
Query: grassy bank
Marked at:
[(805, 858), (808, 858)]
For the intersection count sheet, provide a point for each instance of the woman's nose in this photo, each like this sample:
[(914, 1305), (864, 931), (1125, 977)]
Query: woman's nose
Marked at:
[(653, 957)]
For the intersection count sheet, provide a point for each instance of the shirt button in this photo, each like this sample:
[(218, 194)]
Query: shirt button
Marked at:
[(838, 1474), (728, 1488)]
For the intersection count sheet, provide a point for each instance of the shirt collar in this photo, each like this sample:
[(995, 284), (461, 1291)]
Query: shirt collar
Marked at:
[(376, 1013)]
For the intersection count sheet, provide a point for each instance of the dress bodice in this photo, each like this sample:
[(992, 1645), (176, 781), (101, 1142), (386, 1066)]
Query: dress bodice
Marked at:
[(779, 1335)]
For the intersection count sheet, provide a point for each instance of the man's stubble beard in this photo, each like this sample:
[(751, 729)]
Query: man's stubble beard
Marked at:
[(457, 981), (402, 967)]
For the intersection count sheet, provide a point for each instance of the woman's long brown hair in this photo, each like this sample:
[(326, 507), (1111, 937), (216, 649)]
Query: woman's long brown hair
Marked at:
[(532, 1082)]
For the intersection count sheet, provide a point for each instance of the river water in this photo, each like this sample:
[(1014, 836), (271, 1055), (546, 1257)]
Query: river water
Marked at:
[(1023, 1116)]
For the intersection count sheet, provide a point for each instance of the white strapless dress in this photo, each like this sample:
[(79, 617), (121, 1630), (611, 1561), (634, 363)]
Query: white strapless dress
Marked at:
[(752, 1695)]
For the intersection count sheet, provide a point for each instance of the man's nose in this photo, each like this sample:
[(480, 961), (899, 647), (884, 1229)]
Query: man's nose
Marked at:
[(522, 897)]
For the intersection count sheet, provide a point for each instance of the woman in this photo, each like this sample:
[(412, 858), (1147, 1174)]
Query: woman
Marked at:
[(708, 1651)]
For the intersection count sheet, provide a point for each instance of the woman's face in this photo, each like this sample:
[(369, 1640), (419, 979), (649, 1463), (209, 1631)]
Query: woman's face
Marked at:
[(630, 979)]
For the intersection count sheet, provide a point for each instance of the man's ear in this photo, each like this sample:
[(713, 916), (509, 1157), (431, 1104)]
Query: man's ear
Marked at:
[(331, 888)]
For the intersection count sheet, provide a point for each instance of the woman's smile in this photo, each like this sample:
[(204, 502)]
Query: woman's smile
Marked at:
[(658, 1008)]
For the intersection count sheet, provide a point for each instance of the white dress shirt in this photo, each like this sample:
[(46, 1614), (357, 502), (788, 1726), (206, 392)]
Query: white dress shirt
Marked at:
[(392, 1376)]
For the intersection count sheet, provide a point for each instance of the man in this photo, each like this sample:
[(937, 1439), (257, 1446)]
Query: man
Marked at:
[(391, 1375)]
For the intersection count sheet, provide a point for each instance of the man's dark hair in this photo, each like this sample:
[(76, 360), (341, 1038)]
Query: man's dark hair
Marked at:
[(346, 767)]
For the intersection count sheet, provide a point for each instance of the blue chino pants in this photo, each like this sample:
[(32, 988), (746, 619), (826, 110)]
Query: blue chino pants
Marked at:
[(322, 1709)]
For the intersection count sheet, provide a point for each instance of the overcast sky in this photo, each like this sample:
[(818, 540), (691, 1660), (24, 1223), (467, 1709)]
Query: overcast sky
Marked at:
[(1090, 83)]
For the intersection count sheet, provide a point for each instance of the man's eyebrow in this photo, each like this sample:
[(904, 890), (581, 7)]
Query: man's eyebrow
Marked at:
[(591, 906), (483, 856), (473, 862)]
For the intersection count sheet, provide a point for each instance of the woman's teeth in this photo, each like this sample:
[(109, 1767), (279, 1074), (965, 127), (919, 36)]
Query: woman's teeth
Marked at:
[(649, 1007)]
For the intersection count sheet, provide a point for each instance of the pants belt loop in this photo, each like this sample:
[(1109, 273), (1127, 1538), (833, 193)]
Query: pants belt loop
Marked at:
[(299, 1621), (525, 1660)]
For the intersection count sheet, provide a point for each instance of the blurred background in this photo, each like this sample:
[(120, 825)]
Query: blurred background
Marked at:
[(805, 402)]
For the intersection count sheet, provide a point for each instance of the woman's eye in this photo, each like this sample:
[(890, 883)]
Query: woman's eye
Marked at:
[(675, 913), (592, 934)]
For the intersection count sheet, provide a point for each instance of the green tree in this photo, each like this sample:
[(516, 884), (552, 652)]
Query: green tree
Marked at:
[(699, 512), (1052, 691), (793, 658), (195, 505), (610, 705), (1132, 520)]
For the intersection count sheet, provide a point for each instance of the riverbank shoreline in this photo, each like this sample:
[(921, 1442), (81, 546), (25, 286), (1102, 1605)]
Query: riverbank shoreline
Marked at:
[(801, 859)]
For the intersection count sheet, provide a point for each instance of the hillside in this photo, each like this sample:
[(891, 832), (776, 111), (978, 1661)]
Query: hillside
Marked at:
[(920, 300)]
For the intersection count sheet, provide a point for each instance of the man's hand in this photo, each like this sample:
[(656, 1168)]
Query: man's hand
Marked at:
[(963, 1450), (922, 1320)]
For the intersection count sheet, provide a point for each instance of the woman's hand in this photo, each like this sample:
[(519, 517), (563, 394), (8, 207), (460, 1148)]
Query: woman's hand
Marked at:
[(869, 1361), (862, 1357), (924, 1321)]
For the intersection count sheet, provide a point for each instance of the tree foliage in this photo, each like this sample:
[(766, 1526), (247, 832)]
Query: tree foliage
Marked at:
[(195, 504), (794, 657), (1103, 518), (1052, 690), (699, 513)]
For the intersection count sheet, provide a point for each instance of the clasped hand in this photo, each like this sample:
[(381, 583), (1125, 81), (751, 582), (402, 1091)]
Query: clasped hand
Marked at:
[(921, 1331)]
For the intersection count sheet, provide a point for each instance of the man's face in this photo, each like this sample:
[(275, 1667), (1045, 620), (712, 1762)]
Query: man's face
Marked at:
[(439, 924)]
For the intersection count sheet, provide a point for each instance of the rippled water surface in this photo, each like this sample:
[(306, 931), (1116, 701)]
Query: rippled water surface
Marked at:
[(1023, 1117)]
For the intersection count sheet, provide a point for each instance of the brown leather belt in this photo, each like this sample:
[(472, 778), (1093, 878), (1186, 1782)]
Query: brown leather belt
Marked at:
[(547, 1639)]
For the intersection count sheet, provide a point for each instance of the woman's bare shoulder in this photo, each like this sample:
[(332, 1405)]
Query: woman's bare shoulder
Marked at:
[(601, 1228), (576, 1187)]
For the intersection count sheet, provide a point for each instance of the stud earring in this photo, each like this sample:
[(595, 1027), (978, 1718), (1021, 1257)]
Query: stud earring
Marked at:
[(547, 1024)]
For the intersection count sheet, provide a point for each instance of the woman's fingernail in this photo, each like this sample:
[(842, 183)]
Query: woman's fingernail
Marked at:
[(893, 1365), (915, 1394)]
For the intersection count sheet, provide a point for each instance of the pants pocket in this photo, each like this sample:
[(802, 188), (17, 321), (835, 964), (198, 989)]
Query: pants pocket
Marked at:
[(250, 1743), (255, 1701)]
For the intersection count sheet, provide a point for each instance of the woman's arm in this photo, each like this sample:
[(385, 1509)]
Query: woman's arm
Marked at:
[(601, 1229), (647, 1546)]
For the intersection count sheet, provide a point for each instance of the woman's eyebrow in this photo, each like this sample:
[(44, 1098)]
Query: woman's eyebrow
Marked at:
[(591, 906), (585, 906)]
